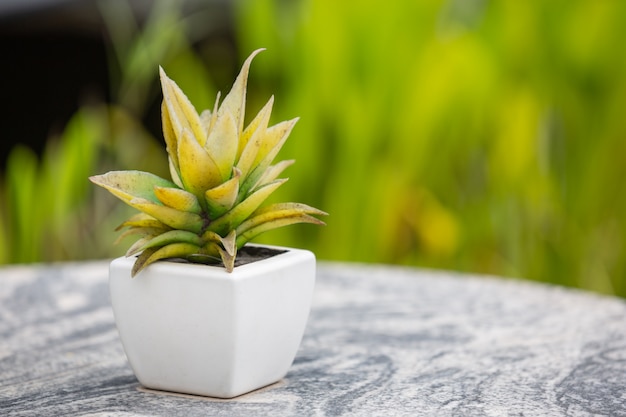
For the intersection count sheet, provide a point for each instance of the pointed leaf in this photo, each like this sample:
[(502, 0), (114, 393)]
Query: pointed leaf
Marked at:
[(209, 254), (243, 210), (142, 232), (151, 255), (273, 172), (235, 101), (174, 173), (220, 199), (182, 114), (254, 129), (141, 260), (127, 185), (208, 117), (292, 208), (205, 118), (169, 135), (173, 236), (280, 211), (174, 218), (271, 143), (198, 170), (273, 140), (251, 233), (215, 251), (142, 220), (136, 247), (212, 253), (227, 243), (178, 199), (250, 142), (222, 143), (227, 259)]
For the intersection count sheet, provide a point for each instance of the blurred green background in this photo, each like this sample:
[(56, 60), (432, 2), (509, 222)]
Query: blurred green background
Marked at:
[(482, 136)]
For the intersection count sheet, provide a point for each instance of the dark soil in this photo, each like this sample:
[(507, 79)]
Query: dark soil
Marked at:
[(245, 255), (249, 254)]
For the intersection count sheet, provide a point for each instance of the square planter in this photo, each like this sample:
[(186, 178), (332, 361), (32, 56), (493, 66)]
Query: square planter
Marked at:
[(197, 329)]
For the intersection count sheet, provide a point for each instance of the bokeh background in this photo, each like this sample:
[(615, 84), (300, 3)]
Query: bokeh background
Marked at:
[(470, 135)]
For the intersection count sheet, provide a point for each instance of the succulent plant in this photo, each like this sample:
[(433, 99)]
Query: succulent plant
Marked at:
[(221, 175)]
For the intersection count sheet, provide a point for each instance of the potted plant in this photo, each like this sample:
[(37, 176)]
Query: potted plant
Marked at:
[(205, 314)]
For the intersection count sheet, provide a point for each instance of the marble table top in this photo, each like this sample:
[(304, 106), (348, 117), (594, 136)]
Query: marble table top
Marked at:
[(380, 341)]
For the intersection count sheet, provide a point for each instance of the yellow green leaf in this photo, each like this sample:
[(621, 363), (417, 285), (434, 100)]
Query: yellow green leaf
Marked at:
[(169, 135), (136, 247), (273, 140), (142, 220), (256, 127), (141, 260), (240, 212), (182, 114), (222, 143), (208, 117), (273, 172), (174, 172), (227, 259), (205, 118), (227, 251), (212, 252), (277, 215), (251, 233), (220, 199), (198, 170), (178, 199), (172, 236), (235, 101), (174, 218), (142, 232), (227, 243), (288, 209), (151, 255), (127, 185)]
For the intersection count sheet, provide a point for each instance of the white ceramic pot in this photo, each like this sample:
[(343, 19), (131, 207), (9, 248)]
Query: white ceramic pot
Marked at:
[(197, 329)]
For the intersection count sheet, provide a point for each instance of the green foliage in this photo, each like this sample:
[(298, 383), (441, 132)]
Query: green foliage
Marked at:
[(48, 211), (479, 136), (470, 135)]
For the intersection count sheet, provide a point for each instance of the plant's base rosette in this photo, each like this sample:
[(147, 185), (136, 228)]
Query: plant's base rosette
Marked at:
[(196, 329)]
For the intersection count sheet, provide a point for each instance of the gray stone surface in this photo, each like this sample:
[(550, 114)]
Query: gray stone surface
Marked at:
[(380, 341)]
